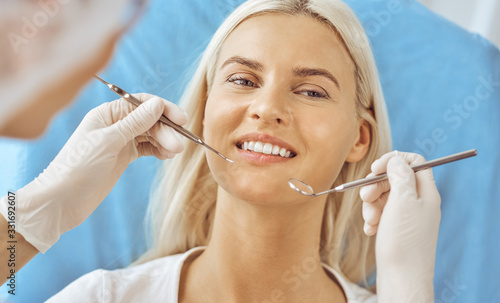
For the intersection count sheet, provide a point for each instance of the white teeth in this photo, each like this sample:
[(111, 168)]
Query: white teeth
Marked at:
[(276, 150), (282, 152), (251, 145), (266, 148), (258, 147)]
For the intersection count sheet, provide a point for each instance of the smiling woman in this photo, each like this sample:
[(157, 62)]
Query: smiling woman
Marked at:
[(286, 89)]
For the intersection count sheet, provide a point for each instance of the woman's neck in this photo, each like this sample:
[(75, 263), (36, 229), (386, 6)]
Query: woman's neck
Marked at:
[(261, 253)]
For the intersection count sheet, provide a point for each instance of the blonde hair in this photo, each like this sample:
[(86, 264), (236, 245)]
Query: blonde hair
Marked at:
[(182, 209)]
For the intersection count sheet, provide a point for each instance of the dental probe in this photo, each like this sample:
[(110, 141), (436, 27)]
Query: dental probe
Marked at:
[(307, 190), (181, 130)]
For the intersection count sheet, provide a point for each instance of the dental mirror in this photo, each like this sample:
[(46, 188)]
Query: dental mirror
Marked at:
[(307, 190), (301, 187)]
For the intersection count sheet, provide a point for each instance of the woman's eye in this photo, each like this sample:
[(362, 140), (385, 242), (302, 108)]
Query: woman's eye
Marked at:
[(238, 80), (313, 94)]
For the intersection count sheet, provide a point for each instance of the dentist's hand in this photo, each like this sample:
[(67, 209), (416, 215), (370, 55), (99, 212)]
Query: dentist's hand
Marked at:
[(405, 212), (108, 139)]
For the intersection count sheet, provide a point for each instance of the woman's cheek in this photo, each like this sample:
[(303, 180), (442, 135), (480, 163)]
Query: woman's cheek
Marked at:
[(334, 142)]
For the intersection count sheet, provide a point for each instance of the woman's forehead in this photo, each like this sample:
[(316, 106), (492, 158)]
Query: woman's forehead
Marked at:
[(287, 40)]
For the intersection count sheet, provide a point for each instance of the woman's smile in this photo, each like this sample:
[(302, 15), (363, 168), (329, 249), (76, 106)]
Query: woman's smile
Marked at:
[(260, 148)]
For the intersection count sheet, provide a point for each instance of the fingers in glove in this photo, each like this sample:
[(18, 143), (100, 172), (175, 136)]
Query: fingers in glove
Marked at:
[(163, 134), (146, 115), (154, 149), (402, 179), (370, 230), (424, 179), (148, 149), (380, 165), (170, 110), (140, 120), (426, 187), (370, 193), (167, 137), (372, 212)]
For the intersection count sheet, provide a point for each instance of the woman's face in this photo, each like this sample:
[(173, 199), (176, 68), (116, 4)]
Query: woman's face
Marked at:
[(282, 105)]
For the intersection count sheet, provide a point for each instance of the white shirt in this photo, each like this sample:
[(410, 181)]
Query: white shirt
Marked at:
[(158, 281)]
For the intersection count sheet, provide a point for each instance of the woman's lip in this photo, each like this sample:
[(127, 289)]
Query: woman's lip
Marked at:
[(265, 138), (259, 158)]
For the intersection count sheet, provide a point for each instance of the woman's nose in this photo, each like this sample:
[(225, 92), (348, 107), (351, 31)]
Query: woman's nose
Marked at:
[(271, 106)]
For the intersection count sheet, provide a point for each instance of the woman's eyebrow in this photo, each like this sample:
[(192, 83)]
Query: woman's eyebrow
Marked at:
[(298, 72), (305, 72), (243, 61)]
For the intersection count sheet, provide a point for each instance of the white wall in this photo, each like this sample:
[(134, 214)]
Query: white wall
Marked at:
[(480, 16)]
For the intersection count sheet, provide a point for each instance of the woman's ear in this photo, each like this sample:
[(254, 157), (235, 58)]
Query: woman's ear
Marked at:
[(362, 143)]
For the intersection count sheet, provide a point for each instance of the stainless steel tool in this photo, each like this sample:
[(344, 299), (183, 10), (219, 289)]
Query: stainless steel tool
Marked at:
[(307, 190), (181, 130)]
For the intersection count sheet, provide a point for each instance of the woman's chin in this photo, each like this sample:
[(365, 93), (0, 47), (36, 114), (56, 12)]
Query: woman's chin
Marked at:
[(258, 195)]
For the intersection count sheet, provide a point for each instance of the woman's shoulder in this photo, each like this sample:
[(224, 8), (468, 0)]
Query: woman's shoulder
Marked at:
[(353, 292), (131, 284)]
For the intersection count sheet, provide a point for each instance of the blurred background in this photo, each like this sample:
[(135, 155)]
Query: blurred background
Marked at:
[(479, 16)]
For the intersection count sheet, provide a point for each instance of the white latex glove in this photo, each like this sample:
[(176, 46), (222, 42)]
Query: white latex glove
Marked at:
[(405, 211), (108, 139)]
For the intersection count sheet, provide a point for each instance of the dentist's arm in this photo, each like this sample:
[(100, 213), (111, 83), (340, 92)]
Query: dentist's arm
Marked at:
[(405, 213), (15, 252), (109, 138)]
